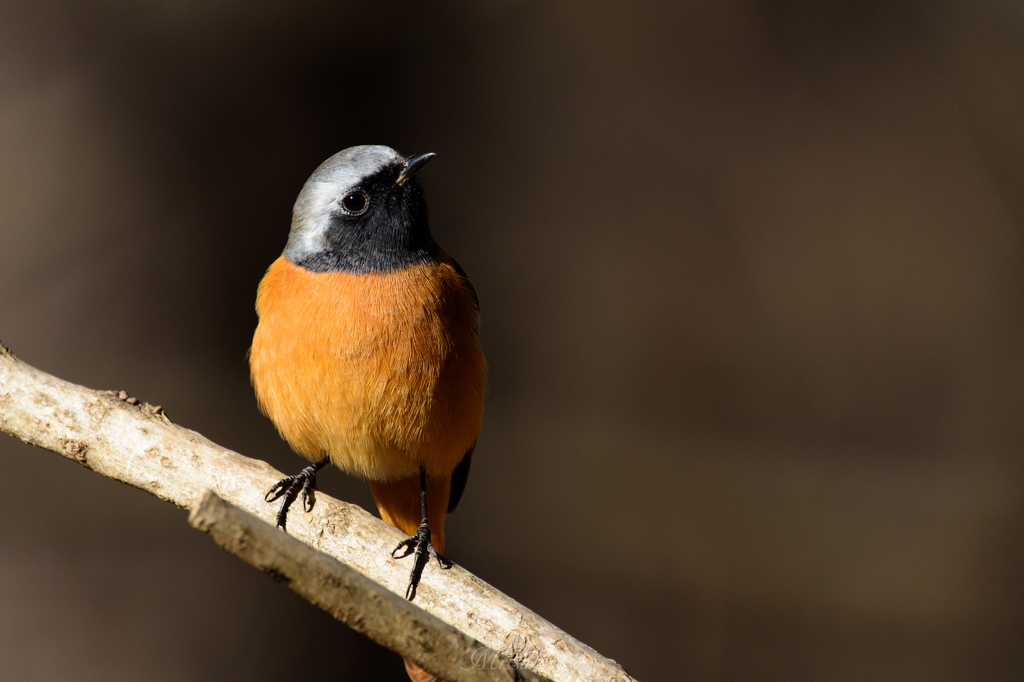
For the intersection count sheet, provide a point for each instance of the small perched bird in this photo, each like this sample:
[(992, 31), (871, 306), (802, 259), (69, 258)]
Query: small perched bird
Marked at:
[(366, 353)]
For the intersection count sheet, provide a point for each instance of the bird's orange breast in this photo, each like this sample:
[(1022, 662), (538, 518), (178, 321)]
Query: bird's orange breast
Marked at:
[(381, 372)]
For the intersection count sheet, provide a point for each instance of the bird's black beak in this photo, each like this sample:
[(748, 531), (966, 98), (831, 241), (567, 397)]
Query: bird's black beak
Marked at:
[(413, 166)]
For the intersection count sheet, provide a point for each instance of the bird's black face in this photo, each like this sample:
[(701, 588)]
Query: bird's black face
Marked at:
[(377, 225)]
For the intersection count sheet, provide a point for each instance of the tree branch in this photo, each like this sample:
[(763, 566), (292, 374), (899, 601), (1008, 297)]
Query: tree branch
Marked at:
[(122, 438), (353, 598)]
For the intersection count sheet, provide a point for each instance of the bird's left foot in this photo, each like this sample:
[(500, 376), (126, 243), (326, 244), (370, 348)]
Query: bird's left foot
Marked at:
[(422, 549), (290, 487)]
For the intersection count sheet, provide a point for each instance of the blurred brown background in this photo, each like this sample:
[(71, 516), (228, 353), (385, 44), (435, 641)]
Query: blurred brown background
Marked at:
[(751, 276)]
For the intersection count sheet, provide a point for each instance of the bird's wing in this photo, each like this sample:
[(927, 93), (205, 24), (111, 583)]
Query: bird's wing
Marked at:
[(446, 257), (461, 472), (459, 477)]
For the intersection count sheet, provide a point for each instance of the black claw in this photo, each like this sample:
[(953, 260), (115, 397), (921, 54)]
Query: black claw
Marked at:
[(441, 561), (290, 487), (408, 544), (282, 514), (309, 494), (279, 488)]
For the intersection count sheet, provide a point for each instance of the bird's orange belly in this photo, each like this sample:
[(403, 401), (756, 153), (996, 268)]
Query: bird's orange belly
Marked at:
[(380, 372)]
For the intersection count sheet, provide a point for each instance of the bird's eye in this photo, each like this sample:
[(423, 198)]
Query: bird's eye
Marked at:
[(355, 203)]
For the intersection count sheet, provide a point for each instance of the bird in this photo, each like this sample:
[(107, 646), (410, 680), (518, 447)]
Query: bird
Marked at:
[(366, 354)]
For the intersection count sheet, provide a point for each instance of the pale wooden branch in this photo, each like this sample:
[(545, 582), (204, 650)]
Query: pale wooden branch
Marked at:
[(122, 438), (353, 598)]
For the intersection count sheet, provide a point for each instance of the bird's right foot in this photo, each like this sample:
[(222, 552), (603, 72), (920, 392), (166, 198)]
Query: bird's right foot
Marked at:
[(290, 487), (420, 546)]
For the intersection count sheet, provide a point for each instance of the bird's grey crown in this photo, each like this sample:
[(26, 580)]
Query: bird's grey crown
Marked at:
[(325, 188)]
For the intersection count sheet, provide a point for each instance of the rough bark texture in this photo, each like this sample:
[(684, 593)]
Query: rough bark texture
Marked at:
[(353, 598), (122, 438)]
